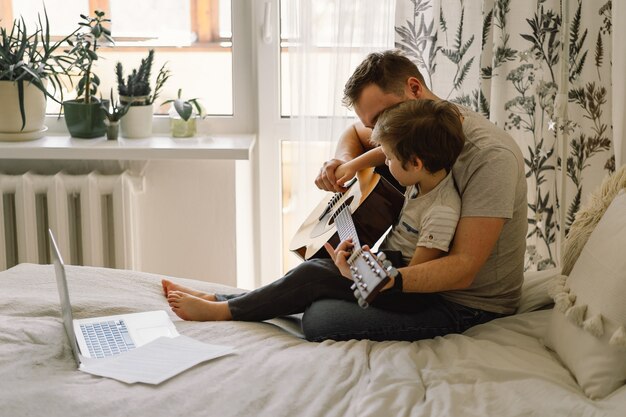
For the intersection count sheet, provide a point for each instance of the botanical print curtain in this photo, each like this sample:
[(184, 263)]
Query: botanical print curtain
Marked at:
[(504, 59)]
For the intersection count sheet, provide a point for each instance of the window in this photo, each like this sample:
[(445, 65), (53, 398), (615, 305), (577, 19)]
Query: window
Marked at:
[(194, 38)]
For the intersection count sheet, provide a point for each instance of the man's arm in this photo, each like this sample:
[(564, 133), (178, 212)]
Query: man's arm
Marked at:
[(474, 240), (354, 141)]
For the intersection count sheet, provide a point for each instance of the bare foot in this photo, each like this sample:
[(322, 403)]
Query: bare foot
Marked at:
[(170, 286), (190, 307)]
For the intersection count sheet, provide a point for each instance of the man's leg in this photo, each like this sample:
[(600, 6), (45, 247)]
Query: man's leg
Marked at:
[(311, 280), (402, 317)]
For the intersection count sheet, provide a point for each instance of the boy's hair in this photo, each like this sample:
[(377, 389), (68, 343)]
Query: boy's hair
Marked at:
[(389, 70), (427, 129)]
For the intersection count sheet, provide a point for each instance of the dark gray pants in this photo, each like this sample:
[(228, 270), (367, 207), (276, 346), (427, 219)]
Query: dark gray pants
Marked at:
[(316, 288)]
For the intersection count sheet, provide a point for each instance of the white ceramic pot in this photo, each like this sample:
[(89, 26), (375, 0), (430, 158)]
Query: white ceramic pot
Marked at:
[(137, 123), (34, 108)]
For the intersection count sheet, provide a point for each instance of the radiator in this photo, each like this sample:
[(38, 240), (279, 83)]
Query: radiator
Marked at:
[(92, 216)]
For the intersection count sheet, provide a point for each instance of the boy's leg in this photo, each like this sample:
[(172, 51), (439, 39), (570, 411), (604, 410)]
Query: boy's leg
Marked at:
[(311, 280), (402, 317)]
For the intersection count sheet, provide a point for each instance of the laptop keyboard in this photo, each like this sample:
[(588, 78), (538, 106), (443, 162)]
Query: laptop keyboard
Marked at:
[(107, 338)]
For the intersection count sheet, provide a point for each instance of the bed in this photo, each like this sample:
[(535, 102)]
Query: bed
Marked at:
[(497, 369)]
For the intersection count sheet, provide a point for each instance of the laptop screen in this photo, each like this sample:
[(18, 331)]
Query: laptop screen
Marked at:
[(64, 296)]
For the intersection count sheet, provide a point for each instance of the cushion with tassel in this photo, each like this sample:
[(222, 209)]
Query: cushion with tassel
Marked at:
[(587, 324)]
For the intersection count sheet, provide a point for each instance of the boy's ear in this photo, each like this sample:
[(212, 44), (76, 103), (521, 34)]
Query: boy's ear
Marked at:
[(417, 163)]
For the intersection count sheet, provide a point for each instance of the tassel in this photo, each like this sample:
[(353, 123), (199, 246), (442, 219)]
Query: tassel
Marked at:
[(572, 297), (562, 302), (576, 314), (556, 288), (594, 325), (619, 338)]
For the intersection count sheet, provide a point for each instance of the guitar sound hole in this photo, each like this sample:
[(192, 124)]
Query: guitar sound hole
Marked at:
[(341, 207)]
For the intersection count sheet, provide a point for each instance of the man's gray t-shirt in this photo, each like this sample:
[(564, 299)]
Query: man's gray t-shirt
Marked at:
[(490, 177)]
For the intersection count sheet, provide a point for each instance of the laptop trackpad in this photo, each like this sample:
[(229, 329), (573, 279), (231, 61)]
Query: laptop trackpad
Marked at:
[(148, 334)]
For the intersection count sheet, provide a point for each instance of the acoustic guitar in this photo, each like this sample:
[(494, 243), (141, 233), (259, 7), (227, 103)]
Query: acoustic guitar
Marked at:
[(363, 213)]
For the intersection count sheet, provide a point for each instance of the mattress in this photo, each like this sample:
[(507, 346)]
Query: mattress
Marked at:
[(500, 368)]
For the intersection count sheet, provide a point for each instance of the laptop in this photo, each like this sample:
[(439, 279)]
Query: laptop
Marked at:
[(100, 337)]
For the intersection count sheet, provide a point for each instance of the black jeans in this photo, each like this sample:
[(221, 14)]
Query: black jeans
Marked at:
[(316, 288)]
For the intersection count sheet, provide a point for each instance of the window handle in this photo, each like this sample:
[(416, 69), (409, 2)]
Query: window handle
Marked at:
[(267, 23)]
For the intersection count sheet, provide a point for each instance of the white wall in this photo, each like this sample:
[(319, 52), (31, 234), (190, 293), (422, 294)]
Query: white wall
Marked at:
[(188, 220)]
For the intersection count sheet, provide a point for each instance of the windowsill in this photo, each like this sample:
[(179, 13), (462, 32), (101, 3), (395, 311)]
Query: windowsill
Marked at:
[(221, 147)]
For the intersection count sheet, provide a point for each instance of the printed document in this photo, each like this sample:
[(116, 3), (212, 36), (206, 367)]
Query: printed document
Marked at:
[(156, 361)]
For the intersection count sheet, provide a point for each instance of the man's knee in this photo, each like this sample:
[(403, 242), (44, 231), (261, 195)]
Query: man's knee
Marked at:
[(323, 320)]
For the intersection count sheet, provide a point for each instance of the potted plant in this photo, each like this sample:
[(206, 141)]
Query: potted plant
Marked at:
[(83, 116), (113, 114), (135, 89), (183, 115), (29, 63)]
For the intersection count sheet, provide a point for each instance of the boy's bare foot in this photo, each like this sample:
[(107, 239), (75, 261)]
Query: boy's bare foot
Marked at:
[(189, 307), (170, 286)]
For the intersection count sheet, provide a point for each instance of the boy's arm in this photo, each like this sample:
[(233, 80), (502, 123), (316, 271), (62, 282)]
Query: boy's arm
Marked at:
[(346, 171), (354, 141), (422, 254)]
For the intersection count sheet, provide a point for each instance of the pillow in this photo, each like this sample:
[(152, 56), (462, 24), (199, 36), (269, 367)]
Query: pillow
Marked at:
[(586, 329), (588, 216)]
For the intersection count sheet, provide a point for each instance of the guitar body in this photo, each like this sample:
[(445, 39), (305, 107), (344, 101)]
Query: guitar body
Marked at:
[(374, 203)]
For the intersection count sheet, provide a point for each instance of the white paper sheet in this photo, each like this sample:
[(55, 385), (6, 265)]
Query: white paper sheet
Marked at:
[(156, 361)]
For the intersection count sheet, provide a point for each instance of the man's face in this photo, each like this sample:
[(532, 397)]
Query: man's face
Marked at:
[(373, 101)]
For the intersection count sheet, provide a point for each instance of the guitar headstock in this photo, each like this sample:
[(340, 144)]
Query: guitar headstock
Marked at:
[(370, 274)]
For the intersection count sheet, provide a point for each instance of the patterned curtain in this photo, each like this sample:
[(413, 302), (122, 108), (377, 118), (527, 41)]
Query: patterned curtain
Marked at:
[(506, 60)]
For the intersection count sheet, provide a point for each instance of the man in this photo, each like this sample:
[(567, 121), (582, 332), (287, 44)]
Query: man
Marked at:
[(484, 268)]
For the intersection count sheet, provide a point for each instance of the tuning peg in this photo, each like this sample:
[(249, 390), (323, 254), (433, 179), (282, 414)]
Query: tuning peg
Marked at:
[(381, 256), (357, 294), (353, 287), (363, 303), (386, 263)]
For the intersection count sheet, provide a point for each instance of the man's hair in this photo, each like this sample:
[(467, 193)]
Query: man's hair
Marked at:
[(389, 70), (427, 129)]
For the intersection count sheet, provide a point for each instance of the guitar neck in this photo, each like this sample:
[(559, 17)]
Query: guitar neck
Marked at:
[(345, 226)]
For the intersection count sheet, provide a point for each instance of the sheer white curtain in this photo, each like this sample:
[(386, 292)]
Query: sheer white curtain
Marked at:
[(326, 40)]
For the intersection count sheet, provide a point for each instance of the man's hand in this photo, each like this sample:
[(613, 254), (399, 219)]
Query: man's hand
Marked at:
[(327, 179), (340, 256)]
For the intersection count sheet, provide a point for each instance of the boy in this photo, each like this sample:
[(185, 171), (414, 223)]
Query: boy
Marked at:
[(421, 140)]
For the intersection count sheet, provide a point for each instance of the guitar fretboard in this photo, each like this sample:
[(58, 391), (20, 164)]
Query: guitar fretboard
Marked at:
[(345, 226)]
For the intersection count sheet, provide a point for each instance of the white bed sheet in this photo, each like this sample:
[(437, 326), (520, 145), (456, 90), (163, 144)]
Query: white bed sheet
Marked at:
[(497, 369)]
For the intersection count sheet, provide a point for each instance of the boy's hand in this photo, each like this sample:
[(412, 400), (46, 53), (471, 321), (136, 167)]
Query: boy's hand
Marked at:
[(340, 256), (344, 173), (327, 180)]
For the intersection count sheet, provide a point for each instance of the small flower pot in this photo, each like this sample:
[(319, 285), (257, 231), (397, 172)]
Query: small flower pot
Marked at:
[(113, 129), (183, 128)]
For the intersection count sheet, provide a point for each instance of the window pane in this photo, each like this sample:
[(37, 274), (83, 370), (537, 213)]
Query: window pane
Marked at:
[(203, 71), (61, 22), (164, 21)]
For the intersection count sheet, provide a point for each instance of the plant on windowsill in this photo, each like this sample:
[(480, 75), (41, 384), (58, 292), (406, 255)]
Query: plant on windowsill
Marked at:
[(183, 115), (83, 116), (135, 89), (29, 63), (113, 113)]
